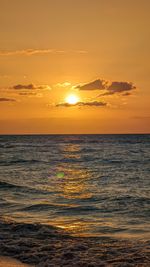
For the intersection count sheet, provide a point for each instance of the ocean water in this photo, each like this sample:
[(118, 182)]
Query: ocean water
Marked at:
[(88, 185)]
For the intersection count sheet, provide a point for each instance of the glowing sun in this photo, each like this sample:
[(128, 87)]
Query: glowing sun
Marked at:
[(72, 99)]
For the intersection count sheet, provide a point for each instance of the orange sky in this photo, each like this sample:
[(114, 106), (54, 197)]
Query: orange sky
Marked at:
[(96, 50)]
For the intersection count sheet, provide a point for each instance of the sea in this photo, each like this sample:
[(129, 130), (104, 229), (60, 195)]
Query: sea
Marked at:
[(87, 185)]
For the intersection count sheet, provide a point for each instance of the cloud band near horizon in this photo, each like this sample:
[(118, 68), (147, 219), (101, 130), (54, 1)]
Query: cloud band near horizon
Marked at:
[(81, 104)]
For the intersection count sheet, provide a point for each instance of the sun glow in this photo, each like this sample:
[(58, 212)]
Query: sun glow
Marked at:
[(72, 99)]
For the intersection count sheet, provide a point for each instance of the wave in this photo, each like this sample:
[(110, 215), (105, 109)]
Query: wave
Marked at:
[(21, 161), (42, 245), (22, 188), (44, 207), (60, 208), (8, 185)]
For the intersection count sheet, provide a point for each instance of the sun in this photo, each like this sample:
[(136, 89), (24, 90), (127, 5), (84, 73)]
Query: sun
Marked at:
[(72, 99)]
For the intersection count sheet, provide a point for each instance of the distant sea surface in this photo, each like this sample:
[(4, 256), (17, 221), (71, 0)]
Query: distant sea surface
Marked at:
[(88, 185)]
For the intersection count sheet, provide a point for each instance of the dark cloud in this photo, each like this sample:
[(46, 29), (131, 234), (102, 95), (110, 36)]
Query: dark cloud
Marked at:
[(113, 88), (4, 99), (30, 87), (94, 85), (27, 93), (119, 88), (92, 103), (126, 94), (81, 104), (22, 86)]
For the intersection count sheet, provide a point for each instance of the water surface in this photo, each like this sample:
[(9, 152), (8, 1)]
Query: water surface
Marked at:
[(89, 185)]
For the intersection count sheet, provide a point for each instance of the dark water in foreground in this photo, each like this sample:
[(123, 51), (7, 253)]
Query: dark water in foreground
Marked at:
[(89, 185)]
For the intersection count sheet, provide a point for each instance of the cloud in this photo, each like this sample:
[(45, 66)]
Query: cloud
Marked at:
[(126, 94), (98, 84), (4, 99), (92, 103), (81, 104), (63, 85), (30, 87), (32, 51), (119, 88), (27, 52), (77, 51), (28, 93), (116, 87)]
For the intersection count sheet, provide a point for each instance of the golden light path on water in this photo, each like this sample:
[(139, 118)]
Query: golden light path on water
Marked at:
[(73, 185), (74, 188)]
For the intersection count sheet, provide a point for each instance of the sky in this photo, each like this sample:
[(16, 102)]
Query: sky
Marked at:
[(74, 66)]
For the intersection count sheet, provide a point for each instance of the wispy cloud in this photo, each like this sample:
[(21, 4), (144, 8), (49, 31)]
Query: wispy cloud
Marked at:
[(26, 52), (4, 99), (32, 51), (28, 93), (79, 51), (81, 104), (63, 85), (30, 87)]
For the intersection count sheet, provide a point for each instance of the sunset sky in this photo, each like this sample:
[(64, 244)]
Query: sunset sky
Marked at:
[(74, 66)]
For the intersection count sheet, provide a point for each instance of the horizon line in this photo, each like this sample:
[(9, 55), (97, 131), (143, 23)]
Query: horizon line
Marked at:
[(23, 134)]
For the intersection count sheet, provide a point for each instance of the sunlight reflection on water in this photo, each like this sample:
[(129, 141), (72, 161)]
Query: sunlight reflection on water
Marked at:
[(87, 185)]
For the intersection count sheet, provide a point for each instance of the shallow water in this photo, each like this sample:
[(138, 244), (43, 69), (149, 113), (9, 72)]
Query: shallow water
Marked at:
[(89, 185)]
